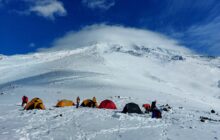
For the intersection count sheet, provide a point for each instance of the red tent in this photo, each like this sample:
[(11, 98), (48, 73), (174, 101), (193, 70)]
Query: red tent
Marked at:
[(107, 104)]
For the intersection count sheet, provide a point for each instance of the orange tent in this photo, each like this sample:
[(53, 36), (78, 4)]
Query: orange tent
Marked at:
[(63, 103)]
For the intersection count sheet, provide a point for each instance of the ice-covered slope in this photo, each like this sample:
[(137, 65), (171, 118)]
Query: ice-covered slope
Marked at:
[(141, 70), (138, 73)]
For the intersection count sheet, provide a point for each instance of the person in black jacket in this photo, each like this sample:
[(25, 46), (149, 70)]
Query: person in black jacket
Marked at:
[(153, 105)]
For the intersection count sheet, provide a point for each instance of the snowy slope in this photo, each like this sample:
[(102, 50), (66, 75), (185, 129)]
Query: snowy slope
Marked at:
[(138, 73)]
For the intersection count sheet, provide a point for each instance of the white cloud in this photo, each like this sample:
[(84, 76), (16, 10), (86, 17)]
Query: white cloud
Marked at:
[(114, 35), (99, 4), (203, 34), (47, 8), (205, 38)]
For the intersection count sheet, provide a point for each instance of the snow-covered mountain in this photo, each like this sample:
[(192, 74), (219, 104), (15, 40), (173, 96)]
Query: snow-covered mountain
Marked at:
[(140, 70), (138, 73)]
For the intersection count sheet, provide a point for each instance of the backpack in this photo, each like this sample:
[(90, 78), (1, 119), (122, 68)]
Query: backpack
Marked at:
[(156, 113)]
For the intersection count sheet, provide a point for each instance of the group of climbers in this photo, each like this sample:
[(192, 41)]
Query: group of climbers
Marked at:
[(156, 112), (134, 108), (37, 103)]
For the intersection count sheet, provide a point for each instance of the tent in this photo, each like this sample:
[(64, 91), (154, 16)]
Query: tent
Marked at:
[(88, 103), (132, 108), (107, 104), (35, 103), (63, 103)]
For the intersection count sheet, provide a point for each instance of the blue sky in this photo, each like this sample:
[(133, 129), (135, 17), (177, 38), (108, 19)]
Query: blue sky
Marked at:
[(26, 25)]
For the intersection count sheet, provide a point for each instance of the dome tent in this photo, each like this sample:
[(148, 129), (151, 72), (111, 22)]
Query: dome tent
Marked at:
[(107, 104), (63, 103), (89, 103), (132, 108), (35, 103)]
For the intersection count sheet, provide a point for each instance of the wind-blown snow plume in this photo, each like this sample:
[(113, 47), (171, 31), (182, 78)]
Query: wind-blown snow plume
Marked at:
[(114, 35)]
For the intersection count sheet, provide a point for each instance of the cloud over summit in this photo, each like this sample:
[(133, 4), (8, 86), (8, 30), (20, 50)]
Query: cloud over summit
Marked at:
[(114, 35)]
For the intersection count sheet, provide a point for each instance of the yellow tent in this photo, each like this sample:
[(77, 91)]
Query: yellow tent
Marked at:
[(89, 103), (63, 103), (35, 103)]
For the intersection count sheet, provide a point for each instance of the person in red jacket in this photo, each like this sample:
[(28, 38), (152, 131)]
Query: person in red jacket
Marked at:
[(24, 100), (147, 107)]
